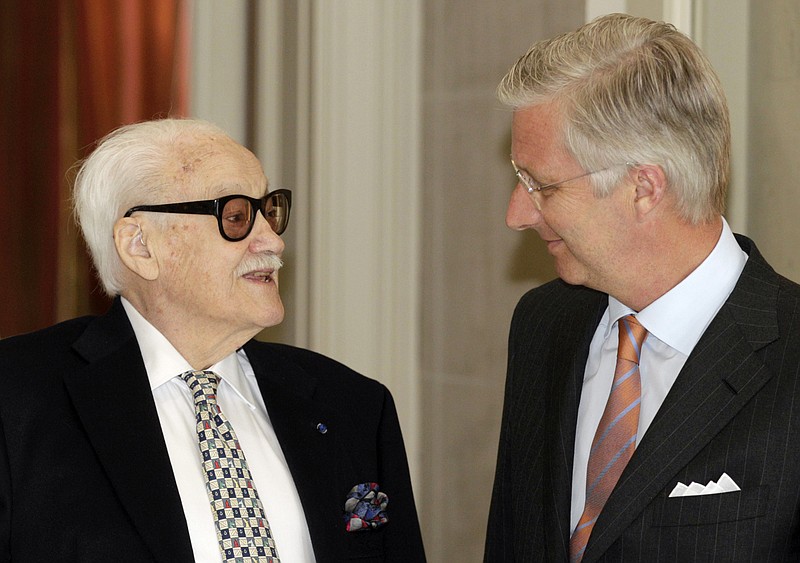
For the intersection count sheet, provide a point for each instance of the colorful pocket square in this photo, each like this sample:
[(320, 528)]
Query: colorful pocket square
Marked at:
[(365, 508)]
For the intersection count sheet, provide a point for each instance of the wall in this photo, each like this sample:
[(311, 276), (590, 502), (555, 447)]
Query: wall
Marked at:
[(774, 124), (474, 269)]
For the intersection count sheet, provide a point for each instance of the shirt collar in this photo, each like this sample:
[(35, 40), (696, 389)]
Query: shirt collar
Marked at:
[(163, 362), (680, 317)]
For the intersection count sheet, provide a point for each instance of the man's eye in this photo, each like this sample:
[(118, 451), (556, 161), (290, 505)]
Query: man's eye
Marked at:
[(235, 218), (529, 181)]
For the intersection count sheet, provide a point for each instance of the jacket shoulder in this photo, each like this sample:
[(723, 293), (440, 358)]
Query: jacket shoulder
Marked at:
[(327, 371), (558, 297), (42, 345)]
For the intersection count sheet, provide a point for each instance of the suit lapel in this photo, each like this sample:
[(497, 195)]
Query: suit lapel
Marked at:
[(311, 455), (577, 326), (113, 400), (720, 376)]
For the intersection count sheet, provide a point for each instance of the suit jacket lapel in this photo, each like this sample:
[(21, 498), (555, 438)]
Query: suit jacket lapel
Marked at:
[(571, 350), (721, 375), (115, 405), (311, 454)]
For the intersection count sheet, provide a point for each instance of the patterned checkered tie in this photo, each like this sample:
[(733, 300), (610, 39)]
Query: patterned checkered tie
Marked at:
[(615, 438), (242, 528)]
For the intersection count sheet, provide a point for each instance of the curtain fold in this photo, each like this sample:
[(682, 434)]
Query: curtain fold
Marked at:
[(72, 71), (29, 171)]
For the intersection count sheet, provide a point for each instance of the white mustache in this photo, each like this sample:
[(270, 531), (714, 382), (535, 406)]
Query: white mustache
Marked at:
[(259, 263)]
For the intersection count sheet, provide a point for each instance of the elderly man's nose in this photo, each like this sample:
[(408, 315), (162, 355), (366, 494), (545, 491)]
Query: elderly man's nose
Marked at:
[(264, 239)]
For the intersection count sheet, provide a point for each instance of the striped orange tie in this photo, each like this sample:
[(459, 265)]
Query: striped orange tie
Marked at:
[(615, 438)]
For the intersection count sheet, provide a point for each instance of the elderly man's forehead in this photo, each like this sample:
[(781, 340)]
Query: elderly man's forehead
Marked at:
[(193, 150), (211, 162)]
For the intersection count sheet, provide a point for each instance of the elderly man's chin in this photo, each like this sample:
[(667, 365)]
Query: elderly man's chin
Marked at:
[(262, 307), (275, 316), (270, 311)]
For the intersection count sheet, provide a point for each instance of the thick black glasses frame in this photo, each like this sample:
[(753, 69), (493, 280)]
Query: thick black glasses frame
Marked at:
[(215, 206)]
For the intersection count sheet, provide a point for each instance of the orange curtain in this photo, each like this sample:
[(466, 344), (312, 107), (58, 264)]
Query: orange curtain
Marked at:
[(71, 72), (29, 174)]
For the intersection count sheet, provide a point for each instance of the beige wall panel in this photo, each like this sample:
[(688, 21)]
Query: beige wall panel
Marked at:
[(474, 269), (774, 189)]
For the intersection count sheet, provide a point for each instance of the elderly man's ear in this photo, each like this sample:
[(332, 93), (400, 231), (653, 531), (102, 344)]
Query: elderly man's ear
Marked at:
[(132, 246)]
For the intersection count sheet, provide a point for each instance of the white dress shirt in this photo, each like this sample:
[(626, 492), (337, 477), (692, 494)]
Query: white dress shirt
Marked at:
[(240, 400), (675, 322)]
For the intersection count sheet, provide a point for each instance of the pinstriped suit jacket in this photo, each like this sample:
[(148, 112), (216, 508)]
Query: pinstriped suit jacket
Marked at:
[(735, 408)]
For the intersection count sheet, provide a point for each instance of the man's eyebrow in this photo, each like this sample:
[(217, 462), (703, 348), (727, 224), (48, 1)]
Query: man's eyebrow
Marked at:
[(224, 189), (529, 173)]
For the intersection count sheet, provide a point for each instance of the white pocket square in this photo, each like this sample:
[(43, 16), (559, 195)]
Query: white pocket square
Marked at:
[(722, 485)]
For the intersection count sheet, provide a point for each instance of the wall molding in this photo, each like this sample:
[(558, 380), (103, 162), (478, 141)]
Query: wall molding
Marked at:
[(365, 194), (328, 95)]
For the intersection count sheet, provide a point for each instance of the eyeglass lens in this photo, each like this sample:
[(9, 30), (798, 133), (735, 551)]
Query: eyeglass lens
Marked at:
[(238, 215)]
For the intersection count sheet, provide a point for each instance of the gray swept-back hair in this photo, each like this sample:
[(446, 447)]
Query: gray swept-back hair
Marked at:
[(129, 167), (633, 90)]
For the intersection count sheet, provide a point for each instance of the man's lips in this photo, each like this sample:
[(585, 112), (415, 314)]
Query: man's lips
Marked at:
[(262, 268), (264, 276), (552, 244)]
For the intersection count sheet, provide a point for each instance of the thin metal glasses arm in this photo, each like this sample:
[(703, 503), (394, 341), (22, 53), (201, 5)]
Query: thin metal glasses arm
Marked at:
[(530, 184)]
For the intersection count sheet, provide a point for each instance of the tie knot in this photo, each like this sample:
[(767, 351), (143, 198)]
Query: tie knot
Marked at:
[(203, 384), (631, 337)]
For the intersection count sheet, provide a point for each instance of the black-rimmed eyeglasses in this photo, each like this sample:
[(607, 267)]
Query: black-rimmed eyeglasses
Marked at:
[(236, 214)]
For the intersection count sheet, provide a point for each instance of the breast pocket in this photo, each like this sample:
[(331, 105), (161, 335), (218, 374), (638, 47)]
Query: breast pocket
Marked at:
[(711, 509)]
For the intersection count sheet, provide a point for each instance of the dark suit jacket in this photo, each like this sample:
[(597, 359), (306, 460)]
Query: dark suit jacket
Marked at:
[(84, 470), (735, 408)]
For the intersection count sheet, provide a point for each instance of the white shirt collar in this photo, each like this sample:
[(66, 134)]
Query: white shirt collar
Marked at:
[(680, 317), (163, 362)]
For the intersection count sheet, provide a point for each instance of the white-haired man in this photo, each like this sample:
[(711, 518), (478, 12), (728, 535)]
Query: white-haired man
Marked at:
[(162, 431), (650, 401)]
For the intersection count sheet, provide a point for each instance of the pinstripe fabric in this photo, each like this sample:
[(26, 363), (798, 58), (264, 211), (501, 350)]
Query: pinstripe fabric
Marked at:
[(529, 517), (735, 408), (615, 438)]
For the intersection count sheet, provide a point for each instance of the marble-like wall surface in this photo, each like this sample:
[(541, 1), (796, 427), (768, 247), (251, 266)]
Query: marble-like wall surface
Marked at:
[(474, 269), (774, 126)]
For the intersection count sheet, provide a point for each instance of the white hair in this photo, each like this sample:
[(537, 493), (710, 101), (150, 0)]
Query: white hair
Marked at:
[(129, 167), (632, 89)]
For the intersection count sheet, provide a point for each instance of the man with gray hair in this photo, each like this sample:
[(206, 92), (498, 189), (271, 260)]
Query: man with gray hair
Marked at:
[(161, 431), (650, 398)]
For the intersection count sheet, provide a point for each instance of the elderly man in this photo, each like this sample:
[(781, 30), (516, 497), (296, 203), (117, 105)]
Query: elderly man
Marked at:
[(651, 399), (162, 431)]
